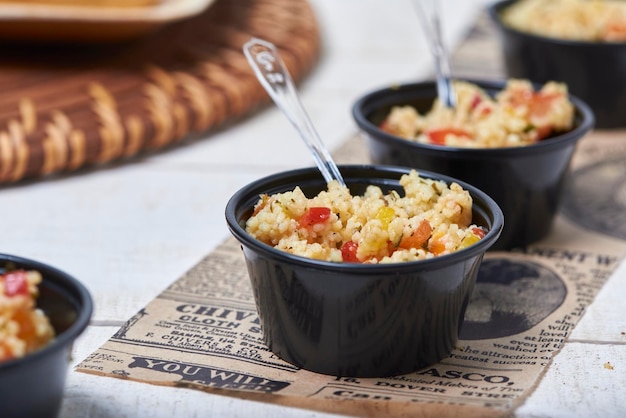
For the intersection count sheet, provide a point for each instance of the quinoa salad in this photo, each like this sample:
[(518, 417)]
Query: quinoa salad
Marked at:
[(23, 327), (575, 20), (517, 116), (431, 219)]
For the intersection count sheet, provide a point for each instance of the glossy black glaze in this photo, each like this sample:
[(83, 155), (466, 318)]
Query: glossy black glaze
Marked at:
[(33, 386), (593, 71), (352, 319), (526, 182)]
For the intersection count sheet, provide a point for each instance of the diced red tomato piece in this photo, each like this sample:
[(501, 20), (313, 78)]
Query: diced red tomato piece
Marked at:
[(543, 132), (485, 111), (15, 283), (315, 215), (348, 252), (418, 237), (475, 102), (615, 32), (391, 248), (384, 125), (479, 232), (438, 136), (540, 103)]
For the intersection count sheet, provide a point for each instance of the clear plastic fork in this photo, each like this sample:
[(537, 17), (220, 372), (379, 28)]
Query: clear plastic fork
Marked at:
[(269, 68), (429, 13)]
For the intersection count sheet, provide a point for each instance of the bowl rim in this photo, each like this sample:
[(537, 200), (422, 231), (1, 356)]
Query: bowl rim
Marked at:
[(494, 12), (587, 121), (246, 239), (67, 282)]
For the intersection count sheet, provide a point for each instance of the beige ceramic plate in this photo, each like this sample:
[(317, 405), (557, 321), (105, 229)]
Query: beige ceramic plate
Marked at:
[(33, 20)]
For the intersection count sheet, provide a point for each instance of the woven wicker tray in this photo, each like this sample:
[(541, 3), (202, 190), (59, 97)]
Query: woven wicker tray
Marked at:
[(63, 108)]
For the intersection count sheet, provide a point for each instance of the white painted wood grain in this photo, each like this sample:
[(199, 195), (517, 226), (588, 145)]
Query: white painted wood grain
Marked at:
[(605, 319), (578, 384)]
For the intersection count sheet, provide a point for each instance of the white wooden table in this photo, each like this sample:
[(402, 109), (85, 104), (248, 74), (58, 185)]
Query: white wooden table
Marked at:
[(128, 231)]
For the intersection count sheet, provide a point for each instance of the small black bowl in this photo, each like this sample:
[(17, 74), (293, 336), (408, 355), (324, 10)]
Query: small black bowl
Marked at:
[(347, 319), (593, 71), (33, 386), (526, 182)]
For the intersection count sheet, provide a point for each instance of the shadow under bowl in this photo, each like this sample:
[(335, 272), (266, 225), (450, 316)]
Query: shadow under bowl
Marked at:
[(593, 71), (33, 386), (526, 182), (360, 320)]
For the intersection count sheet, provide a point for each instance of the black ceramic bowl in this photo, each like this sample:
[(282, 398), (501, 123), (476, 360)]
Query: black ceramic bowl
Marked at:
[(348, 319), (526, 182), (33, 386), (593, 71)]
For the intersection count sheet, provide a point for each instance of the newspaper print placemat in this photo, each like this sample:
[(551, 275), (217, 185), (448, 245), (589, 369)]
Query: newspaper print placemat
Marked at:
[(203, 331)]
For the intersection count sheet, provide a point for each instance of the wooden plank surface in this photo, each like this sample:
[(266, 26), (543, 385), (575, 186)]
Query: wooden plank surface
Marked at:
[(129, 230)]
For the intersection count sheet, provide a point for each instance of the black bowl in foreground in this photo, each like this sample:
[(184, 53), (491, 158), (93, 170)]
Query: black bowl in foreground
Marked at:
[(33, 386), (347, 319), (593, 71), (526, 182)]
